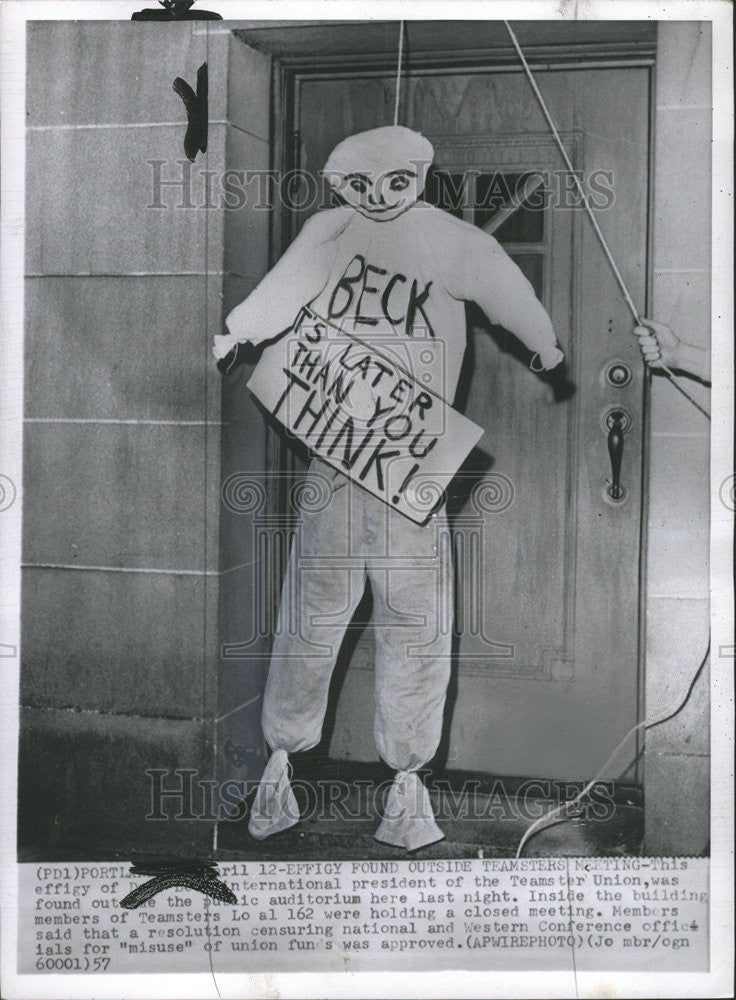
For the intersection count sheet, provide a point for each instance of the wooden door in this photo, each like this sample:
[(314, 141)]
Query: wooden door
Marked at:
[(545, 677)]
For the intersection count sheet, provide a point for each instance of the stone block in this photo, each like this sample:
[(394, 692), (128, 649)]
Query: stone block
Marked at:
[(114, 201), (676, 805), (84, 791), (677, 637), (249, 88), (678, 542), (134, 496), (140, 643), (684, 63), (76, 74), (682, 182), (121, 348), (247, 216)]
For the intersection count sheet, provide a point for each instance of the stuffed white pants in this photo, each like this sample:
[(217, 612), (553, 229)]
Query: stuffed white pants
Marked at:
[(345, 535)]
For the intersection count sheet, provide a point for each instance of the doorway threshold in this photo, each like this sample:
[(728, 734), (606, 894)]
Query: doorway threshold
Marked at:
[(482, 816)]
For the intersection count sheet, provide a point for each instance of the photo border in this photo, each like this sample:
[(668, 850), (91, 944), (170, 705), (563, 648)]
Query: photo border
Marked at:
[(718, 982)]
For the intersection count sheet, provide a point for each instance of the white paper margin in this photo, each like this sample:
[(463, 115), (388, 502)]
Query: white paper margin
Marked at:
[(13, 15)]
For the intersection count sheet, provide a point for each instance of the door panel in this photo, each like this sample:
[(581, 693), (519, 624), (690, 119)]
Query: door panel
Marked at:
[(547, 564)]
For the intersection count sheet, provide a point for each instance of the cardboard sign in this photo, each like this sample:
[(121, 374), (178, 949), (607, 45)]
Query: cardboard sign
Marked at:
[(371, 411)]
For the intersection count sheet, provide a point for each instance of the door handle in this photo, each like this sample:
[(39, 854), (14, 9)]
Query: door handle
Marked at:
[(616, 427)]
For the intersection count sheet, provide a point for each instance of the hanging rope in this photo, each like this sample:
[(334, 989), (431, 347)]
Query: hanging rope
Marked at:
[(591, 214), (398, 73)]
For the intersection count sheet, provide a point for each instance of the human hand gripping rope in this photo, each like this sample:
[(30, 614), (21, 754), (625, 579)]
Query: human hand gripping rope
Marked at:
[(659, 344), (591, 214)]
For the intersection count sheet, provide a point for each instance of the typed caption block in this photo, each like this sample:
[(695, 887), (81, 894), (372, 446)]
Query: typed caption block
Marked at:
[(624, 914)]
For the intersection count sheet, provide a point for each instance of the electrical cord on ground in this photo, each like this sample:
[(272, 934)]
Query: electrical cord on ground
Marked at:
[(547, 820)]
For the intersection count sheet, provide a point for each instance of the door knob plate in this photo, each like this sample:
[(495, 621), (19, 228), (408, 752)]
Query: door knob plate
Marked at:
[(615, 415)]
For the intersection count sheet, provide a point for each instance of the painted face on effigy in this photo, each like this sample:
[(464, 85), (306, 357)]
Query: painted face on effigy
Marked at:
[(380, 173), (383, 197)]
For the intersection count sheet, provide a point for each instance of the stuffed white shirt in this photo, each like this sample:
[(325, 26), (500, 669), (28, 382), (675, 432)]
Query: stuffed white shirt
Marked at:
[(402, 278)]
